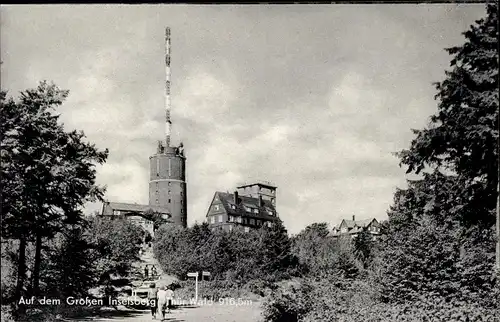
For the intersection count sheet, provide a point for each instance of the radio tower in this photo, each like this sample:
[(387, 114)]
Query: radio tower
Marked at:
[(168, 128), (167, 174)]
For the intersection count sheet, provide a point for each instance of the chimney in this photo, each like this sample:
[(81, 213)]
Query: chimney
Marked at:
[(236, 197), (261, 202), (353, 218)]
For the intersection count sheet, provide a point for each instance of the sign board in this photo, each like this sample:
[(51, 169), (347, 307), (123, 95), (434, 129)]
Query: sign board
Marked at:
[(205, 273), (193, 274)]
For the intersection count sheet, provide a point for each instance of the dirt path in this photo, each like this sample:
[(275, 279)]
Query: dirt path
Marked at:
[(209, 312)]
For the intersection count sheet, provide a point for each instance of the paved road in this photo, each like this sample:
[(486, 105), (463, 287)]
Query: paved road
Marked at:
[(211, 313)]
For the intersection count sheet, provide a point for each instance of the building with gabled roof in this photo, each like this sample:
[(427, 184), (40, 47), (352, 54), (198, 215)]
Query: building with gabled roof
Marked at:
[(354, 227), (250, 206), (135, 213)]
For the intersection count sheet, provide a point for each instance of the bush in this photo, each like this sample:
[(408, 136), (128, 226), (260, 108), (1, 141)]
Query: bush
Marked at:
[(290, 301), (346, 300)]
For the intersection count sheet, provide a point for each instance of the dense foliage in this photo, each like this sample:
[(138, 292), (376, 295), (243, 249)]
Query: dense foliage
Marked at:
[(116, 242), (235, 256)]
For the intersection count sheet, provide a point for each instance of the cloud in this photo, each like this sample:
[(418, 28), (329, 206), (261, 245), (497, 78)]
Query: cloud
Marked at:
[(314, 98)]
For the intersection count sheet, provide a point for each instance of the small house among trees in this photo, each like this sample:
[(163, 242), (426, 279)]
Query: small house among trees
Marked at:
[(355, 227)]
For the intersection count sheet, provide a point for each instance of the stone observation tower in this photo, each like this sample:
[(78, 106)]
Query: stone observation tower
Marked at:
[(167, 172)]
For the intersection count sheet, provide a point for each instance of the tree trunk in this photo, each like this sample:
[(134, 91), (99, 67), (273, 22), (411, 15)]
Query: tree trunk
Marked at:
[(36, 266), (498, 231), (21, 276)]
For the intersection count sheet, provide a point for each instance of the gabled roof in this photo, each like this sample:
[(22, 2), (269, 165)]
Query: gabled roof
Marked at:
[(356, 223), (364, 222), (227, 199), (109, 207), (349, 223)]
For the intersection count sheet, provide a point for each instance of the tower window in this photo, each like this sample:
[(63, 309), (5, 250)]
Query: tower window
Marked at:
[(169, 192), (169, 183), (216, 207), (169, 200)]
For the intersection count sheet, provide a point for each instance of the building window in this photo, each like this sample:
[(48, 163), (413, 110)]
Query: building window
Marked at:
[(269, 224), (169, 183), (212, 219), (247, 229), (230, 227), (238, 219), (256, 210), (216, 207), (169, 200), (169, 192), (231, 219), (252, 221), (182, 211), (247, 209), (220, 218), (233, 206), (259, 223)]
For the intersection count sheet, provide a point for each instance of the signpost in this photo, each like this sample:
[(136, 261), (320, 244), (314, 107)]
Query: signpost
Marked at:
[(195, 275), (203, 274)]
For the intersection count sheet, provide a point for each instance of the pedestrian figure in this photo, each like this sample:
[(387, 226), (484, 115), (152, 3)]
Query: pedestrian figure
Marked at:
[(162, 301), (153, 271), (146, 272), (153, 299), (169, 296)]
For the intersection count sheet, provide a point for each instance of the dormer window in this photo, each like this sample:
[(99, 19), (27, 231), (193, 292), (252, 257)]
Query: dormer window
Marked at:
[(216, 207), (256, 211)]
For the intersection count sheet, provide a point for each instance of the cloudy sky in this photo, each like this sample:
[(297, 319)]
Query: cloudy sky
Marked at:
[(314, 98)]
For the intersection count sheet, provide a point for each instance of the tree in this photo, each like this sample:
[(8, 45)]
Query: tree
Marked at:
[(363, 247), (117, 242), (69, 269), (48, 173), (156, 218), (275, 252), (309, 244), (462, 137), (419, 259)]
